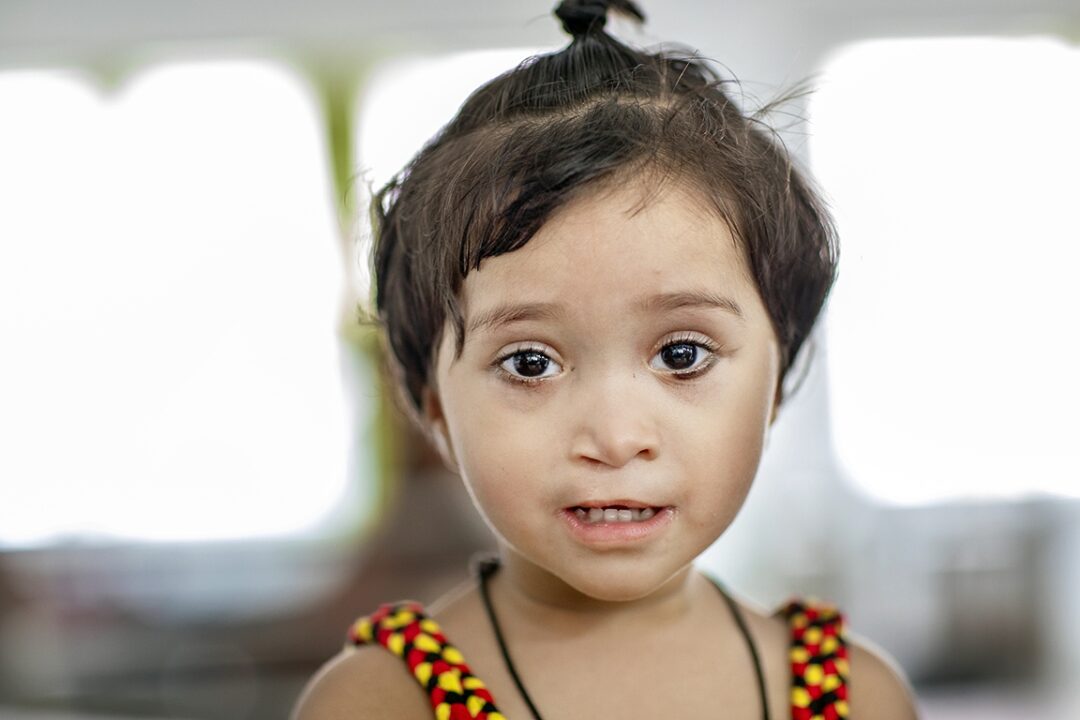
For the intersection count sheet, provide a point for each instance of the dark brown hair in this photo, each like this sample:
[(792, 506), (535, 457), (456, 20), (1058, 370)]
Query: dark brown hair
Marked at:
[(528, 141)]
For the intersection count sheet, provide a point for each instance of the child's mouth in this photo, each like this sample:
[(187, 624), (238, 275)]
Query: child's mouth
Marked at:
[(611, 523), (613, 514)]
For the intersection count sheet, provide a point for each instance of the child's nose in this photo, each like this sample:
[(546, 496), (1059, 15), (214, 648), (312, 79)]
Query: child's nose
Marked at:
[(613, 423)]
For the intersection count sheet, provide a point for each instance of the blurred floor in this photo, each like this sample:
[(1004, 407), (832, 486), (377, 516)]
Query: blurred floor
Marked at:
[(988, 702)]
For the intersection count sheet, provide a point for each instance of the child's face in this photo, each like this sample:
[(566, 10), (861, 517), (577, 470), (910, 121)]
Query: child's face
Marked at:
[(609, 419)]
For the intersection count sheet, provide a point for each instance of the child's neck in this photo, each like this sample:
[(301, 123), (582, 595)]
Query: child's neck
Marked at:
[(526, 592)]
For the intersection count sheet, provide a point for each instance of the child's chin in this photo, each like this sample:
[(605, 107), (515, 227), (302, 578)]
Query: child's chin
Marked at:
[(617, 595), (617, 586)]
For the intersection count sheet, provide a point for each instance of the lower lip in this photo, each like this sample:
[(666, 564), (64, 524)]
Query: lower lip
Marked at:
[(617, 532)]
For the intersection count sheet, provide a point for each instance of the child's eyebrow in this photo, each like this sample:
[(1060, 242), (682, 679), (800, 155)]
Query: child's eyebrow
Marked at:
[(667, 302), (662, 302), (510, 313)]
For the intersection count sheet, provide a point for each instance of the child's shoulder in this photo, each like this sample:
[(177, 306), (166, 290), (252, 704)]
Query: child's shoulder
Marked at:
[(801, 627), (397, 663), (879, 688), (361, 682), (366, 681)]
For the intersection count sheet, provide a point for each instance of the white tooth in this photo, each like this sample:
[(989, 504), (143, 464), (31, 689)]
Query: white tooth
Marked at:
[(637, 513), (596, 514), (581, 514), (626, 515), (611, 515), (646, 514)]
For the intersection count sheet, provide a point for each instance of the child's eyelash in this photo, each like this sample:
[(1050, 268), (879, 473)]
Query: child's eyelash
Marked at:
[(698, 341), (711, 347), (518, 379)]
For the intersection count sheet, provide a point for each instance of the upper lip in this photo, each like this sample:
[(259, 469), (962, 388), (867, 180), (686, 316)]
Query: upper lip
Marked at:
[(613, 503)]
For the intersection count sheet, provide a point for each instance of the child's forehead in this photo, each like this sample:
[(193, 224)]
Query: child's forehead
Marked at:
[(616, 245), (634, 229)]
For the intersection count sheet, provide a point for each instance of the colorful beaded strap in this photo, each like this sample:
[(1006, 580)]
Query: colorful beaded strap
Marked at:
[(819, 661), (818, 654), (404, 629)]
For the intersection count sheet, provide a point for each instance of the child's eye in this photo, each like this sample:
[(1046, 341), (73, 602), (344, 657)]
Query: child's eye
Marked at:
[(685, 357), (528, 366)]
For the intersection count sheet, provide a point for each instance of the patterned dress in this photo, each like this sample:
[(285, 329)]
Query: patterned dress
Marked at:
[(817, 654)]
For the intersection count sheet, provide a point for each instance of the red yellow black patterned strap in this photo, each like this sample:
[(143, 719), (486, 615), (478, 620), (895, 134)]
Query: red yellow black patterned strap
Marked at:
[(404, 629), (818, 655), (819, 661)]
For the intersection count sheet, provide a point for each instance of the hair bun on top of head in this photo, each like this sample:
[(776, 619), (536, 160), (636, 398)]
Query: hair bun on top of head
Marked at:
[(581, 18)]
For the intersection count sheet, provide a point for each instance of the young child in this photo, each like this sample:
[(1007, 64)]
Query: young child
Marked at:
[(593, 282)]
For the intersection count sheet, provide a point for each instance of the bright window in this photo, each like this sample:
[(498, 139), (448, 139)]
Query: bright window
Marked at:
[(952, 349), (170, 280)]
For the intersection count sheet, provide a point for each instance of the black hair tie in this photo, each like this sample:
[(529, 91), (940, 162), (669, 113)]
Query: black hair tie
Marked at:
[(586, 17)]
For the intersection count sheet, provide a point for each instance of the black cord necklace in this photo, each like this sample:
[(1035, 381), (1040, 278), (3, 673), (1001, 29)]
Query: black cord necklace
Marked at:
[(488, 566)]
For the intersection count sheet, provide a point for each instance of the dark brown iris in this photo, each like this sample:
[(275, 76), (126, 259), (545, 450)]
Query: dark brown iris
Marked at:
[(530, 364), (679, 356)]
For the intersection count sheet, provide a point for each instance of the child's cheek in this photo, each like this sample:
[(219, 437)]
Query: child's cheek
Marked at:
[(487, 433), (509, 473), (721, 434), (505, 448)]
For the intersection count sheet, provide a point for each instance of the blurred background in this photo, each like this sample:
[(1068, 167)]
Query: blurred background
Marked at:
[(203, 478)]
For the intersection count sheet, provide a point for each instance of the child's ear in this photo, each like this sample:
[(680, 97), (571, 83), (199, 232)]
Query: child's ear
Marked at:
[(437, 431)]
